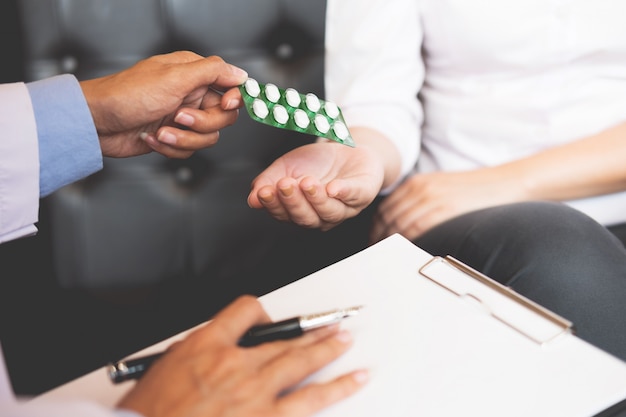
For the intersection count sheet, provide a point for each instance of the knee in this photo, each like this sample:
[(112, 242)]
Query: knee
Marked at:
[(508, 242), (542, 227)]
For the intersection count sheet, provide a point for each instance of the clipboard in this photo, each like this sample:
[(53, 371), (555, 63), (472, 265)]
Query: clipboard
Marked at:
[(501, 302), (440, 340)]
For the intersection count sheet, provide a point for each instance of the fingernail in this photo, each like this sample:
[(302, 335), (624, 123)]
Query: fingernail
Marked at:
[(167, 137), (344, 336), (311, 191), (239, 72), (287, 191), (184, 119), (233, 103), (266, 197), (149, 139), (361, 377)]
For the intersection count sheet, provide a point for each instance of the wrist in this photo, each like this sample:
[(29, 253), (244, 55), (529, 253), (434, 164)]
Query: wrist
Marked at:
[(97, 105), (88, 92), (515, 184), (382, 151)]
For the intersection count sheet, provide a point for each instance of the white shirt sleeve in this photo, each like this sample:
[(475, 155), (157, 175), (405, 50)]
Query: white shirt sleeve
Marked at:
[(374, 69), (19, 164)]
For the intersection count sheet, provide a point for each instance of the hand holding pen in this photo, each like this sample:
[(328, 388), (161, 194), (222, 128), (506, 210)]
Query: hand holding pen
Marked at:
[(208, 371), (283, 330)]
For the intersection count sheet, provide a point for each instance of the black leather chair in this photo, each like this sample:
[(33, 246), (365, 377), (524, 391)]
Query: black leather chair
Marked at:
[(152, 219), (151, 245)]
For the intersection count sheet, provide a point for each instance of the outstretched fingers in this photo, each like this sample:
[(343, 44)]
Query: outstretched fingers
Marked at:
[(313, 398), (305, 360), (306, 202)]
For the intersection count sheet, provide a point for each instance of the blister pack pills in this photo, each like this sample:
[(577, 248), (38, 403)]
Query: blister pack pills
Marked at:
[(289, 109)]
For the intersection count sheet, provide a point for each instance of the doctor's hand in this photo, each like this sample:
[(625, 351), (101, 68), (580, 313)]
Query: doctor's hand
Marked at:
[(318, 185), (209, 375), (173, 104)]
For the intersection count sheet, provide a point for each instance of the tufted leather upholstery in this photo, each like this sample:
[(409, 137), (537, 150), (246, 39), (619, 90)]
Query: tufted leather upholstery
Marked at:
[(150, 219)]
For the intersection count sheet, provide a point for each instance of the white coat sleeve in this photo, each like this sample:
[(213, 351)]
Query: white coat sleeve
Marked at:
[(19, 163)]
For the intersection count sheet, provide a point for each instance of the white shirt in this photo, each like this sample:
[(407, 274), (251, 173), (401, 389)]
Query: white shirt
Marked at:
[(497, 80)]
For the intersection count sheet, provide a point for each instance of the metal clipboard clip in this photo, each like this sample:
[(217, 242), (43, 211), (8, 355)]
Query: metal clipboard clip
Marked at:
[(505, 305)]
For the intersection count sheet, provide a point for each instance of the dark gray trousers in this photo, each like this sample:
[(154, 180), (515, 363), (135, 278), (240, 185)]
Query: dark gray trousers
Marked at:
[(552, 254)]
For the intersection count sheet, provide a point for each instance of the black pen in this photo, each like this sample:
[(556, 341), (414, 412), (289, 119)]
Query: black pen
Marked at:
[(286, 329)]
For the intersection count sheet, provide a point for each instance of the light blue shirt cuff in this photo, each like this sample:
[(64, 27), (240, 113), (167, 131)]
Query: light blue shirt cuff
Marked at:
[(69, 149)]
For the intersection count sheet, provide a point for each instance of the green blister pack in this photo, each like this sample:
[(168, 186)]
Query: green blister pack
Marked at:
[(288, 109)]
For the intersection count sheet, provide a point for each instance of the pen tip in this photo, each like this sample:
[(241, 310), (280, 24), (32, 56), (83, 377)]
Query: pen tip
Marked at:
[(353, 311)]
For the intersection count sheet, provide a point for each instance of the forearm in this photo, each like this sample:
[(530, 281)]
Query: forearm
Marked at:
[(591, 166)]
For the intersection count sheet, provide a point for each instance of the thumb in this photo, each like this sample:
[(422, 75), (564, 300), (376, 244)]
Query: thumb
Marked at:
[(214, 71), (349, 193), (340, 190)]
